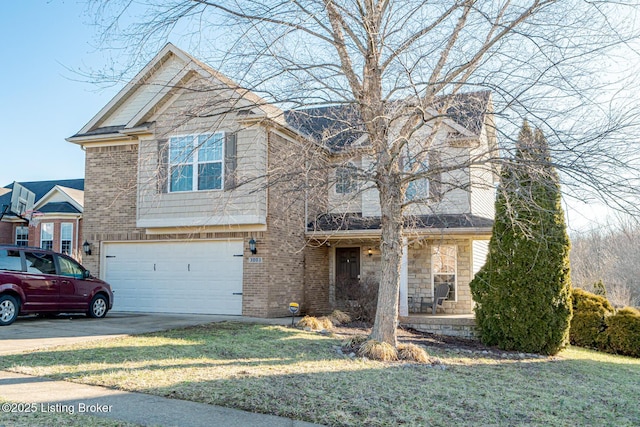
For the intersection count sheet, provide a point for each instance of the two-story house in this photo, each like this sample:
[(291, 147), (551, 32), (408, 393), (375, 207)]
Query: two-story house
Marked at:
[(202, 197), (46, 214)]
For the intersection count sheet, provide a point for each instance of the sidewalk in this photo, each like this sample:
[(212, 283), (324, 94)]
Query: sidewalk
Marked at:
[(136, 408)]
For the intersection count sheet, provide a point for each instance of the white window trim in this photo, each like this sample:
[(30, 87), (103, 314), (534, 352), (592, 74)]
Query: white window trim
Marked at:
[(349, 170), (433, 273), (22, 240), (53, 233), (194, 162), (71, 248), (425, 182)]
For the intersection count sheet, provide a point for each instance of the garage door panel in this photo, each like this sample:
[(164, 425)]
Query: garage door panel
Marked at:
[(175, 277)]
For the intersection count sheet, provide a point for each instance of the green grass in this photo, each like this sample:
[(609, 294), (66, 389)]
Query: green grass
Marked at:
[(287, 372), (48, 419)]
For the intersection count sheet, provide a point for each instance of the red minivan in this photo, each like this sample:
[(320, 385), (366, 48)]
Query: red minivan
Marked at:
[(34, 280)]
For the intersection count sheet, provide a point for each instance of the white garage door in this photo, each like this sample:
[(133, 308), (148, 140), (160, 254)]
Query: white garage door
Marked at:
[(175, 277)]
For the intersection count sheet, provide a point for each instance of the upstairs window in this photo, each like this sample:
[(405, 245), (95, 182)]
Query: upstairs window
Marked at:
[(196, 162), (346, 179), (418, 189), (22, 236)]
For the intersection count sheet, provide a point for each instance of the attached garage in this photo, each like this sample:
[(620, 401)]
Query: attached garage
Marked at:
[(175, 277)]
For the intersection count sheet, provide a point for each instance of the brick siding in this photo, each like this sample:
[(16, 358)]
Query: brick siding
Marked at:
[(109, 198)]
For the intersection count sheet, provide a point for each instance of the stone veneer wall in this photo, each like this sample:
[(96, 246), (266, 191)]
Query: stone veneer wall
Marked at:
[(464, 327), (420, 280)]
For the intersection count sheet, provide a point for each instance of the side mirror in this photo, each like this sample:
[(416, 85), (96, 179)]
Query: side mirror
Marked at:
[(87, 274)]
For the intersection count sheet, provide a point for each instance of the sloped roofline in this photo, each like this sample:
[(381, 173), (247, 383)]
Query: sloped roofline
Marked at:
[(68, 194), (192, 65)]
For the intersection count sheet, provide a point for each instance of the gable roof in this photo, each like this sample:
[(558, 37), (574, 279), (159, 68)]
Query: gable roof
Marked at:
[(132, 108), (59, 207), (73, 189), (339, 126)]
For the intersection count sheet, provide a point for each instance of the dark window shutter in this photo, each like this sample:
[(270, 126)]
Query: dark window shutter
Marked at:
[(230, 161), (163, 166), (435, 177)]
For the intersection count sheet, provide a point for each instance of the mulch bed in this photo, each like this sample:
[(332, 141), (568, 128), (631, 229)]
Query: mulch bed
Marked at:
[(468, 347)]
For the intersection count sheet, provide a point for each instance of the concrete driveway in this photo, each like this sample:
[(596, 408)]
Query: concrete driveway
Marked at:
[(31, 333)]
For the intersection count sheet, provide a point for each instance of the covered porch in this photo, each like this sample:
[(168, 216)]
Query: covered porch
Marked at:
[(446, 251)]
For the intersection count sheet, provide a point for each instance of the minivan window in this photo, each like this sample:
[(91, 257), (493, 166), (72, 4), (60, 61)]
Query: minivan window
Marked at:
[(70, 268), (10, 260), (40, 263)]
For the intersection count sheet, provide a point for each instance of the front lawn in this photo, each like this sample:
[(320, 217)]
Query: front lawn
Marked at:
[(297, 374)]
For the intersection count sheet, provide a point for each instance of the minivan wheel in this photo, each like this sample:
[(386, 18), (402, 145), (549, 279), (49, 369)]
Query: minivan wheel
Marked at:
[(98, 307), (8, 310)]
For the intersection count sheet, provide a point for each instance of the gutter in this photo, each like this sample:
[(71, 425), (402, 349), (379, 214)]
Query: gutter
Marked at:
[(374, 234)]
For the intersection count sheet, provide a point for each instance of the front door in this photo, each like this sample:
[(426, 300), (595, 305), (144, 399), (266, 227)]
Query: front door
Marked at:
[(347, 273)]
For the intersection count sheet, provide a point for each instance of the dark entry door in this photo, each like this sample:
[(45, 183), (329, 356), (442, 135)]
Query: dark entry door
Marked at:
[(347, 272)]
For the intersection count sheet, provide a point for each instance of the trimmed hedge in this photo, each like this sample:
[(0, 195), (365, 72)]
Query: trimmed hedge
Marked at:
[(596, 325), (623, 332), (589, 318)]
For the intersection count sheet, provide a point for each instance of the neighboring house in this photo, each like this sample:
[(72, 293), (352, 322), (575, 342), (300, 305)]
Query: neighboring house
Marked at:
[(176, 194), (53, 222)]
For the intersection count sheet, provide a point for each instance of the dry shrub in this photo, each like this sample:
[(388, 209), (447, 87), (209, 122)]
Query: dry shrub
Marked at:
[(360, 297), (355, 341), (325, 323), (339, 317), (315, 323), (377, 350), (309, 322), (412, 353)]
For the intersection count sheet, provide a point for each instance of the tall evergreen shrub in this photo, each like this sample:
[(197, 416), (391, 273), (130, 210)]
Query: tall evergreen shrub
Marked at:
[(522, 293)]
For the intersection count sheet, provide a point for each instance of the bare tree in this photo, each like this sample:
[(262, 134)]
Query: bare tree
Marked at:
[(610, 253), (399, 66)]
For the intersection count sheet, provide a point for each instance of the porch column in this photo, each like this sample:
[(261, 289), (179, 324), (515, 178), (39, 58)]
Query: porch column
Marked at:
[(404, 279)]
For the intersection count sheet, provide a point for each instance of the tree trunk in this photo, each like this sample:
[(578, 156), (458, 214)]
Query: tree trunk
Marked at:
[(384, 328)]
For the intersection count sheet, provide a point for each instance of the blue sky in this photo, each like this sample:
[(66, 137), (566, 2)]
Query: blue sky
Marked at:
[(43, 102)]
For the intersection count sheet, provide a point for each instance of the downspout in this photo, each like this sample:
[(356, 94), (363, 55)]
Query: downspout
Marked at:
[(77, 240)]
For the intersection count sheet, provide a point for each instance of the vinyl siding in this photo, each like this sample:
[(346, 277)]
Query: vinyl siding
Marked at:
[(480, 252), (482, 187), (243, 205), (455, 199), (341, 203), (145, 93)]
